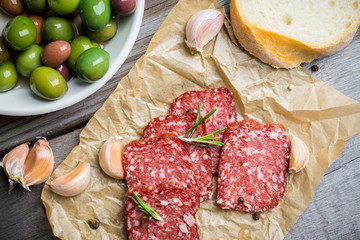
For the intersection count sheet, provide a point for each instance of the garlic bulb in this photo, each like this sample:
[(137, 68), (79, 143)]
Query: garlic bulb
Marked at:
[(110, 157), (202, 27), (299, 155), (38, 164), (13, 164), (72, 183)]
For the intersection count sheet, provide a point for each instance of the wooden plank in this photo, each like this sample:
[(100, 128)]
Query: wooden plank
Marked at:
[(333, 213), (22, 215)]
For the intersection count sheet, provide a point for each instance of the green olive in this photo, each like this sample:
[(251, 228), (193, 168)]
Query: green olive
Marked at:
[(57, 28), (95, 14), (8, 76), (4, 51), (104, 34), (64, 7), (78, 46), (28, 60), (37, 5), (48, 83), (92, 64), (20, 33)]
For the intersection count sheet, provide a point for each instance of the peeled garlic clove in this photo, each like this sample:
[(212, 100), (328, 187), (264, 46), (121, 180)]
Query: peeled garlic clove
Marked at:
[(202, 27), (38, 164), (110, 157), (72, 183), (299, 155), (13, 164)]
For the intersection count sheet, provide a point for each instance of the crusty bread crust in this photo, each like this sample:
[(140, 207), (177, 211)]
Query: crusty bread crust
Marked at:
[(277, 50)]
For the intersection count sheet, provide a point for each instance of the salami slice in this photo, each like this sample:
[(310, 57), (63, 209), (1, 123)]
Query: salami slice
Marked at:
[(219, 98), (253, 166), (200, 156), (151, 161), (172, 203)]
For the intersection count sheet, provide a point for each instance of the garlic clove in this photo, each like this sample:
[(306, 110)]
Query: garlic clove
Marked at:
[(72, 183), (299, 155), (39, 164), (202, 27), (110, 157), (13, 164)]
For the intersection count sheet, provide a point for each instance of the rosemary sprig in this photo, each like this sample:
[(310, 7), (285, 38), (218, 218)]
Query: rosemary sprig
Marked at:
[(142, 206), (202, 141)]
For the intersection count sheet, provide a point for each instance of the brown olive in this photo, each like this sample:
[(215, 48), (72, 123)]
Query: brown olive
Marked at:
[(56, 53), (13, 7), (39, 23), (4, 51)]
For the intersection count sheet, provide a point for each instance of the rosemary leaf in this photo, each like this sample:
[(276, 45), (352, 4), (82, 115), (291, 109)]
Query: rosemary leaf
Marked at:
[(202, 144), (142, 206), (212, 134), (142, 220), (202, 141)]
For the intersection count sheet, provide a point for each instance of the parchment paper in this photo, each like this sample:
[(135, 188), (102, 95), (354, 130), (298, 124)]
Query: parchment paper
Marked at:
[(321, 116)]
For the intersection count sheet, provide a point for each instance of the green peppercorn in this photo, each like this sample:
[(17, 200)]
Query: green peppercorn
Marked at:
[(94, 224)]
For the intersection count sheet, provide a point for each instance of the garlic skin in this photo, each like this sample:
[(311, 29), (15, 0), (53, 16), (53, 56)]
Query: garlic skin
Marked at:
[(202, 27), (38, 164), (72, 183), (110, 158), (13, 164), (299, 155)]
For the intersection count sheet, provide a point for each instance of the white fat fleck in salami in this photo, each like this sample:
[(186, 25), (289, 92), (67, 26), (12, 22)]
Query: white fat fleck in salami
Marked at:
[(220, 98), (144, 166), (200, 156), (253, 166), (179, 222)]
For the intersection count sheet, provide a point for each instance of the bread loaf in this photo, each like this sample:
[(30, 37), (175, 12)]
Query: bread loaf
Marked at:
[(285, 33)]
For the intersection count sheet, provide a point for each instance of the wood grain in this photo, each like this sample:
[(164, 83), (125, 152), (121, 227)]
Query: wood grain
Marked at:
[(334, 212)]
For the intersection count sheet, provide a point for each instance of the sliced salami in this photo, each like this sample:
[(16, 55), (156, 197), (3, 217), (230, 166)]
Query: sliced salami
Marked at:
[(200, 156), (151, 161), (253, 166), (219, 98), (172, 202)]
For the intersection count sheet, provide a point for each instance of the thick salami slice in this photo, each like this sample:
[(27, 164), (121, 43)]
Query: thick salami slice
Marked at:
[(220, 98), (253, 166), (172, 203), (151, 161), (200, 156)]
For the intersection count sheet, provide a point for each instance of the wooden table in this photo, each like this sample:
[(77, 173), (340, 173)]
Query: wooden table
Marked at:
[(334, 213)]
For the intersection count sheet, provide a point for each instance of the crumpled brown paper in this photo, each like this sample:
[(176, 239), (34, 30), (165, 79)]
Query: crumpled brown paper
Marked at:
[(315, 112)]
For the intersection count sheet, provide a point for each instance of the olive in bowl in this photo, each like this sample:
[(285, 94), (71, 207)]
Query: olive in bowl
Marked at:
[(8, 76), (48, 83), (92, 64), (20, 33), (28, 60), (57, 28)]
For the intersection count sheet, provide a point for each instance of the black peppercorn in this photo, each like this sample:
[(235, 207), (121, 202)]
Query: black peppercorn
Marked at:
[(241, 200), (314, 68), (94, 224), (189, 111), (256, 216)]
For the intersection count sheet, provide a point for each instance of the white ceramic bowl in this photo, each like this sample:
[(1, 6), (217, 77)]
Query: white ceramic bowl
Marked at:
[(21, 101)]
